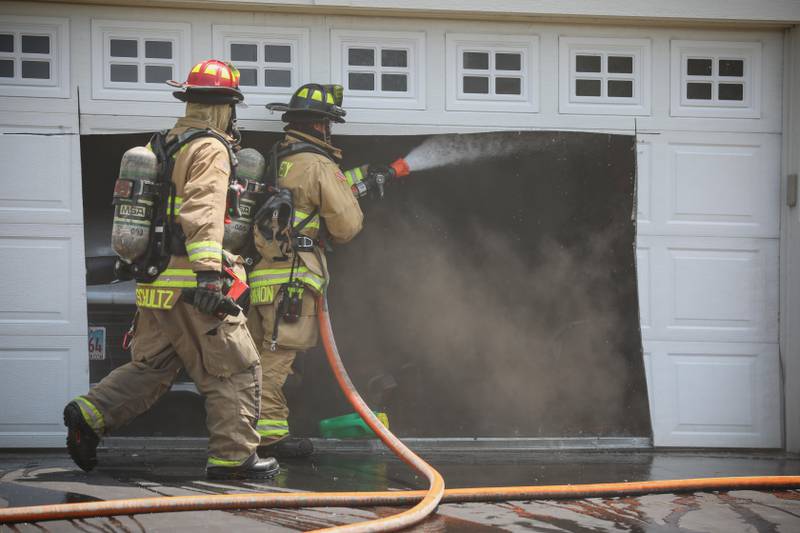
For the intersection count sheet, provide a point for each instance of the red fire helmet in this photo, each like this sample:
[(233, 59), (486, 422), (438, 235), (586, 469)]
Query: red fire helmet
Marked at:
[(210, 82)]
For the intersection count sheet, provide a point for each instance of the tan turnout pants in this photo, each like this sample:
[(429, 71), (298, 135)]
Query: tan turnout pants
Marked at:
[(276, 365), (221, 359)]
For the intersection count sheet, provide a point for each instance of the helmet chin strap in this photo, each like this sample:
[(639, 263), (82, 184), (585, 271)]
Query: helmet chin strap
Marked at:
[(233, 128)]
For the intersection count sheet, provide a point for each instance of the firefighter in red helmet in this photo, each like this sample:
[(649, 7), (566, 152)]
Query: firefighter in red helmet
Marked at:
[(174, 332)]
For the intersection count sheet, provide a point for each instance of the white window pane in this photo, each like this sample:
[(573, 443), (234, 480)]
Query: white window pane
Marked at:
[(587, 87), (476, 85), (508, 61), (244, 52), (277, 78), (37, 70), (620, 88), (620, 64), (361, 57), (476, 60), (6, 42), (248, 77), (6, 68), (508, 86), (124, 48), (394, 82), (157, 73), (35, 44), (731, 91), (394, 58), (586, 63), (731, 67), (698, 91), (158, 49), (278, 53), (360, 81), (698, 67), (125, 73)]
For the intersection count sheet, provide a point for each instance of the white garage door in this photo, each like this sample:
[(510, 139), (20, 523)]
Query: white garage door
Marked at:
[(708, 283)]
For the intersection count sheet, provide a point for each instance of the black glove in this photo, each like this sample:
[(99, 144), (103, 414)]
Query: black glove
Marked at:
[(208, 294), (377, 177)]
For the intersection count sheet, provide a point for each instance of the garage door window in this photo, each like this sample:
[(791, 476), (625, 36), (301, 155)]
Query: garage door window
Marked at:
[(271, 60), (133, 60), (31, 56), (379, 70), (496, 73), (715, 79), (604, 76)]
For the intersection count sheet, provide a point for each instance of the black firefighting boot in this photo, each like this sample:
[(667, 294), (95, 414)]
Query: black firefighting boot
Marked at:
[(252, 468), (82, 441), (288, 448)]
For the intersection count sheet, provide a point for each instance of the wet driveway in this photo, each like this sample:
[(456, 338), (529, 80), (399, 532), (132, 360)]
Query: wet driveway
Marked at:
[(29, 478)]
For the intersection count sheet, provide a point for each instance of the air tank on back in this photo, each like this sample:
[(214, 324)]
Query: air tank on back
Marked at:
[(133, 203), (251, 168)]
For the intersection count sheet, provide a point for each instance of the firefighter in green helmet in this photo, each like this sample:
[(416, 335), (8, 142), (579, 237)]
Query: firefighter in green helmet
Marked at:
[(292, 271)]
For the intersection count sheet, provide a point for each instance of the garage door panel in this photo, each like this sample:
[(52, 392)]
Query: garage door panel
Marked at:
[(715, 394), (41, 165), (714, 184), (44, 293), (707, 289), (644, 282), (54, 366)]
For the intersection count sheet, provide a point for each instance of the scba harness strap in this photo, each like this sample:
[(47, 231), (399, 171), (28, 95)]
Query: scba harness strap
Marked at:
[(166, 152)]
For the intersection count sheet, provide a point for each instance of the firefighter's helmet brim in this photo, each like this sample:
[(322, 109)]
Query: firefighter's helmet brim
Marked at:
[(207, 95), (308, 114)]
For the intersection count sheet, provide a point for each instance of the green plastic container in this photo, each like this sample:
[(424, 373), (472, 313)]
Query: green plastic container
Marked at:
[(349, 427)]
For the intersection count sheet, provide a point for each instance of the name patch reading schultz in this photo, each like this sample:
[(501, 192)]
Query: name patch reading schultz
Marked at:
[(155, 298)]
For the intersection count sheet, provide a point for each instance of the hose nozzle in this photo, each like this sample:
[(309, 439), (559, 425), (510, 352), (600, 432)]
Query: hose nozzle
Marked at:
[(400, 168)]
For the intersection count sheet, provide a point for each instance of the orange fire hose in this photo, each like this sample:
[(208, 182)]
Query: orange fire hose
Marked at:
[(428, 504), (424, 502)]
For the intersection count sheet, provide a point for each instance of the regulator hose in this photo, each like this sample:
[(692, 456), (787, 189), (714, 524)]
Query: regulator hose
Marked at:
[(424, 502)]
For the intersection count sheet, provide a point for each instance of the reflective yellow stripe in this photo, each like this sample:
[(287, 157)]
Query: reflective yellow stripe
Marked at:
[(203, 244), (349, 176), (91, 415), (272, 428), (317, 95), (215, 461), (174, 278), (272, 432), (211, 69), (359, 174), (278, 276), (303, 93), (300, 216), (330, 98), (224, 74), (209, 254), (197, 67), (178, 204), (204, 249)]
